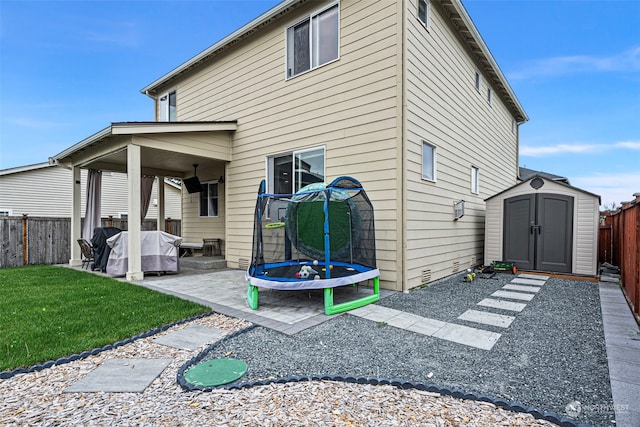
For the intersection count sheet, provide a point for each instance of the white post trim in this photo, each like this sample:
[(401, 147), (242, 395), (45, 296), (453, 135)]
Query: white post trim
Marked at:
[(134, 270), (76, 215)]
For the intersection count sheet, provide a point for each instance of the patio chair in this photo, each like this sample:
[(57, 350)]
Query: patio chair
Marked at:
[(87, 253)]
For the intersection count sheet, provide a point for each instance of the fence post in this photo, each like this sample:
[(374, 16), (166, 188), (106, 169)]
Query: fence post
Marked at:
[(110, 220), (25, 241), (169, 225)]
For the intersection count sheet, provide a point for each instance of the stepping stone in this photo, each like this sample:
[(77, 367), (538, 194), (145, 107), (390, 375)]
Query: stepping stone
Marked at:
[(478, 338), (521, 288), (528, 282), (513, 295), (377, 313), (121, 376), (504, 305), (533, 276), (190, 337), (487, 318), (426, 326)]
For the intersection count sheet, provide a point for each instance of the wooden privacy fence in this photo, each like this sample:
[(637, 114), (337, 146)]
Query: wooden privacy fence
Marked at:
[(41, 240), (620, 245)]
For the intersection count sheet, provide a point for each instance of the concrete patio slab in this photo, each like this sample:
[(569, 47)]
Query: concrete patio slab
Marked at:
[(501, 304), (465, 335), (426, 326), (521, 288), (121, 376), (190, 337), (225, 292), (513, 295), (487, 318)]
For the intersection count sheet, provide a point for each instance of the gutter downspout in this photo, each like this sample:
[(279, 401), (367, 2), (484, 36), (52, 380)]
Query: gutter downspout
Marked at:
[(402, 175)]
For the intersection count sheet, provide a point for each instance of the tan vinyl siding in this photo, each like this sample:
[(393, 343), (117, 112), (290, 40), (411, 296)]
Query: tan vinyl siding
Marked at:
[(47, 192), (445, 109), (349, 107)]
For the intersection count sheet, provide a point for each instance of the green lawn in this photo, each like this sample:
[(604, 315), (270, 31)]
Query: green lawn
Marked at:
[(48, 312)]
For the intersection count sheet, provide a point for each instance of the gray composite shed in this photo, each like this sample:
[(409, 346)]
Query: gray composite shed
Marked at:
[(543, 225)]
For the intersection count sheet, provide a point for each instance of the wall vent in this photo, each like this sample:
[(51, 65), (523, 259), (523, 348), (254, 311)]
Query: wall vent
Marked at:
[(243, 263), (474, 262), (456, 266), (425, 276)]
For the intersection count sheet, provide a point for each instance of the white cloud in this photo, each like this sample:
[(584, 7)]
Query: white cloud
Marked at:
[(627, 61), (614, 187), (549, 150)]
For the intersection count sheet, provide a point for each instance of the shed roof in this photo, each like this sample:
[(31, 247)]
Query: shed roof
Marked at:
[(545, 179)]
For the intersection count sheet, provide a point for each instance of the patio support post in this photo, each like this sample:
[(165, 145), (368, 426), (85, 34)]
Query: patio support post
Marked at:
[(76, 214), (134, 270), (161, 215)]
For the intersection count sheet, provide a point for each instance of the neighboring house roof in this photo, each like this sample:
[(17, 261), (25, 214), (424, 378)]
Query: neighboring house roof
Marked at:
[(457, 13), (25, 168), (560, 182), (525, 174)]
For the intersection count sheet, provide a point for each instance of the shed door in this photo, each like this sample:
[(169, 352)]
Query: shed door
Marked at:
[(538, 232)]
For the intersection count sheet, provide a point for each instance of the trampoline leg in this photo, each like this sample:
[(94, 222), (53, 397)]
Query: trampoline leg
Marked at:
[(331, 308), (252, 296)]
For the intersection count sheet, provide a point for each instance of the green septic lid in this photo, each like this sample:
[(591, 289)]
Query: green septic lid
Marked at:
[(212, 373)]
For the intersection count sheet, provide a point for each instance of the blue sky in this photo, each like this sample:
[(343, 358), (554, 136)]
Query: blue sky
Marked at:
[(70, 68)]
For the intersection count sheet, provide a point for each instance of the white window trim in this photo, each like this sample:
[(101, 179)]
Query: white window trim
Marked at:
[(8, 212), (123, 215), (207, 183), (286, 41), (490, 96), (428, 14), (435, 161), (478, 82), (475, 180), (268, 164)]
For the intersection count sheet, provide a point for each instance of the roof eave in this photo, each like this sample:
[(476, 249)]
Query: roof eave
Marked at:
[(465, 24), (150, 89)]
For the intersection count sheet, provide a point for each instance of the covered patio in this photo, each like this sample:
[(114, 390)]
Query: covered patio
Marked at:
[(160, 149)]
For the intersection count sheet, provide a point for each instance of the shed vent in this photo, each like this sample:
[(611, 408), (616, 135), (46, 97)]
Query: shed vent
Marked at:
[(243, 263), (456, 266), (425, 276)]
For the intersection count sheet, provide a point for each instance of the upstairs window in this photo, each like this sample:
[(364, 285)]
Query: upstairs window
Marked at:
[(313, 42), (423, 12), (475, 180), (209, 199), (489, 96), (167, 107), (428, 161), (478, 80)]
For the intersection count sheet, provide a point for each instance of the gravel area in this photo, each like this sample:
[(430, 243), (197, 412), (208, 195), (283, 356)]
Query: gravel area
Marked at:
[(553, 354)]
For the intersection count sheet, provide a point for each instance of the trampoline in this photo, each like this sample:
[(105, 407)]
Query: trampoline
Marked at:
[(321, 237)]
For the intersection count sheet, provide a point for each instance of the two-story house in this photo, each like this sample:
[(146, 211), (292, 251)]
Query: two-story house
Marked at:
[(402, 95)]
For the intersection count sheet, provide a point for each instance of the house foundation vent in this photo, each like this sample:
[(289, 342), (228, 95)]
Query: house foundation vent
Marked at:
[(456, 266), (243, 263), (474, 262), (425, 276)]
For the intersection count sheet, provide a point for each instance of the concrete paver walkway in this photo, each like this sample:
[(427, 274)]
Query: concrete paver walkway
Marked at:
[(622, 337)]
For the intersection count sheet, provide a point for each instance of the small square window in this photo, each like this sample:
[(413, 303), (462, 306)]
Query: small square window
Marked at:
[(475, 180), (167, 107), (423, 12), (478, 80), (428, 161)]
